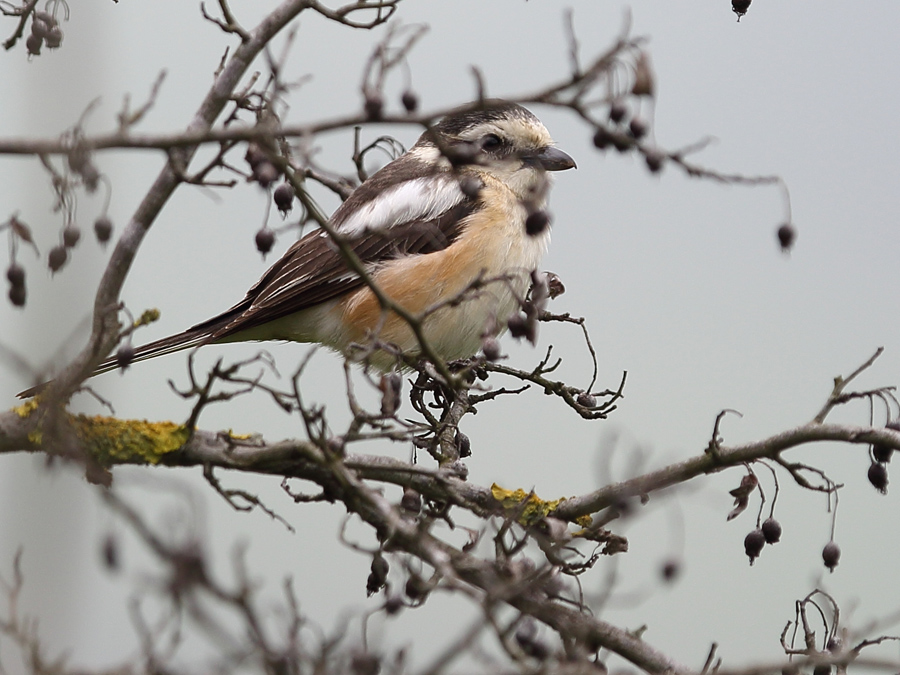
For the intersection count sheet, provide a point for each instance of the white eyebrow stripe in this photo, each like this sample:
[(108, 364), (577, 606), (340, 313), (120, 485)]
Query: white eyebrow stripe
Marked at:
[(416, 199)]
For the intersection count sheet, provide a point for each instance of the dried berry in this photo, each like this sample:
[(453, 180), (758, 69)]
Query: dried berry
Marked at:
[(57, 258), (40, 28), (537, 222), (284, 197), (265, 173), (670, 570), (125, 355), (753, 544), (586, 400), (103, 228), (638, 127), (470, 187), (90, 177), (416, 587), (518, 326), (71, 234), (555, 286), (654, 159), (602, 138), (878, 477), (33, 44), (15, 274), (463, 444), (17, 295), (883, 453), (378, 575), (265, 240), (461, 153), (110, 553), (740, 7), (410, 101), (255, 155), (786, 236), (831, 554), (617, 111), (771, 530), (411, 502), (490, 346), (622, 142), (374, 107), (54, 37)]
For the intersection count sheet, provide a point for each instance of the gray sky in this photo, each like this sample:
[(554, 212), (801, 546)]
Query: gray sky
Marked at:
[(681, 281)]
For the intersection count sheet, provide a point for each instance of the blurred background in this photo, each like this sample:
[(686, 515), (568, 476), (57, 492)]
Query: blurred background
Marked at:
[(681, 280)]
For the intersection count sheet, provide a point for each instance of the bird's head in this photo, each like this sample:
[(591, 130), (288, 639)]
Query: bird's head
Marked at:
[(502, 139)]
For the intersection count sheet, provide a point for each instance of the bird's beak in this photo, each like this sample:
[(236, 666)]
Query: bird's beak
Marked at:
[(553, 159)]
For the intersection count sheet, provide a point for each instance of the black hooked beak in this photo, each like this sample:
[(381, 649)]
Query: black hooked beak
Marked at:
[(552, 159)]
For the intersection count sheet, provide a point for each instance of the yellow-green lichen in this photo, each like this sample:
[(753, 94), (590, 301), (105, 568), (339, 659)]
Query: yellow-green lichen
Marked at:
[(115, 441), (533, 509), (26, 408), (531, 506)]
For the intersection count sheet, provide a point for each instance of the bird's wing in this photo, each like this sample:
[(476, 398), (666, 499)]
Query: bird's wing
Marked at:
[(313, 271)]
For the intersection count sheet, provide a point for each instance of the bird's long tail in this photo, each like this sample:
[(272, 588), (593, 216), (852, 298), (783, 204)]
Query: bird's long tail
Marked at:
[(192, 337)]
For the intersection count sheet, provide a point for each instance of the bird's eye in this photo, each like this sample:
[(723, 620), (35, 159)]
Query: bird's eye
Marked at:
[(491, 142)]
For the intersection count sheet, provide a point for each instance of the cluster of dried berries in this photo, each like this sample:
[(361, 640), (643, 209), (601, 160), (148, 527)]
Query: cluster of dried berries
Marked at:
[(45, 30), (768, 533), (625, 134), (59, 255), (524, 324), (262, 169), (627, 130), (19, 232), (373, 104), (15, 274), (881, 456)]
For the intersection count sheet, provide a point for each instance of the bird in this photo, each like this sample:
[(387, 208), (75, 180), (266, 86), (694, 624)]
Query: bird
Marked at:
[(435, 222)]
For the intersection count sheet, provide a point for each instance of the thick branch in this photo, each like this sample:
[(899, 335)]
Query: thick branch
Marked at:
[(20, 431)]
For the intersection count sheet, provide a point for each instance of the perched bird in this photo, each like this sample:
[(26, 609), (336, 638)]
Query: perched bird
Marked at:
[(448, 212)]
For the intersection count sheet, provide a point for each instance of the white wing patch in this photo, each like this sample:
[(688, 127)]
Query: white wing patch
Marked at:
[(416, 199)]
